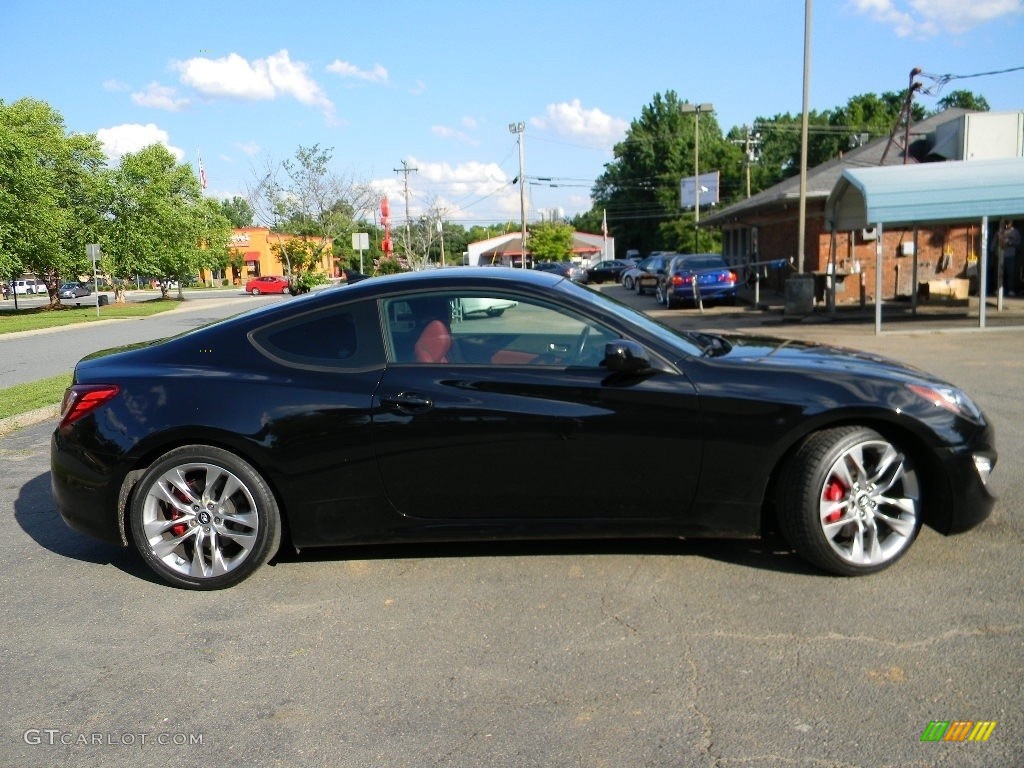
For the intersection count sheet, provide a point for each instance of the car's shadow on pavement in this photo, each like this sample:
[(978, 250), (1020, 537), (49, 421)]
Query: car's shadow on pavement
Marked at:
[(36, 514), (748, 554)]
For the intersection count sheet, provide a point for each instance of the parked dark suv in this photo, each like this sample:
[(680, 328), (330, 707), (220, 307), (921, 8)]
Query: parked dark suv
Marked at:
[(693, 277)]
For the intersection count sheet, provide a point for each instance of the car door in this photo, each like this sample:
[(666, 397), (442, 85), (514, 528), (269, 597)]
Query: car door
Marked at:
[(521, 421)]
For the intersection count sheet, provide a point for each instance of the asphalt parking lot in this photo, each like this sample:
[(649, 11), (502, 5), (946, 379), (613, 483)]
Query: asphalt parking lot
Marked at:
[(696, 653)]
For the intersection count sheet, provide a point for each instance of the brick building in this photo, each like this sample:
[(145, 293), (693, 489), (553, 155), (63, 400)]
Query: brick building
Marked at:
[(765, 226)]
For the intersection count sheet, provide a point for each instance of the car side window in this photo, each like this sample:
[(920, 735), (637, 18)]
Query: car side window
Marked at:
[(345, 337), (491, 329)]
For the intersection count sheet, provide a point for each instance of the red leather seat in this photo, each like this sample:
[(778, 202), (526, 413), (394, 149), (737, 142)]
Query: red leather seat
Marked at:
[(433, 344)]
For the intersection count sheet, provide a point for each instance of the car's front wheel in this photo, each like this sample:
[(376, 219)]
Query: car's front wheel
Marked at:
[(850, 501), (627, 283), (255, 291), (203, 518)]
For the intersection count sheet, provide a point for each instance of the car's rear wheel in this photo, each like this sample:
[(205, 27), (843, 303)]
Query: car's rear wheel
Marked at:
[(203, 518), (850, 501), (255, 291)]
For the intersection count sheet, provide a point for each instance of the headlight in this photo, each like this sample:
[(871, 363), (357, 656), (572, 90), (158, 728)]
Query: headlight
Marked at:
[(949, 398)]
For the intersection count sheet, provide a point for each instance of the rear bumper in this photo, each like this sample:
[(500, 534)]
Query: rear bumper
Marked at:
[(709, 293), (86, 494)]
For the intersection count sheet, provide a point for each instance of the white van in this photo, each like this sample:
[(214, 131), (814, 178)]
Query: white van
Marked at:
[(29, 286)]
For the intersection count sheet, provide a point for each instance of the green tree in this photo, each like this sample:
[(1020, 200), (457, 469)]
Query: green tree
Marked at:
[(304, 197), (963, 100), (639, 188), (160, 224), (237, 211), (50, 190), (551, 241)]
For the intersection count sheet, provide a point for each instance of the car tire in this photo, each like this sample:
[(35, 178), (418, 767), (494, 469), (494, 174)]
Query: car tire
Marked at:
[(849, 501), (627, 281), (194, 535), (255, 291), (495, 312)]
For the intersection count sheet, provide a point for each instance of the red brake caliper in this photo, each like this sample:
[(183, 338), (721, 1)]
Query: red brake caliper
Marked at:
[(834, 491), (179, 528)]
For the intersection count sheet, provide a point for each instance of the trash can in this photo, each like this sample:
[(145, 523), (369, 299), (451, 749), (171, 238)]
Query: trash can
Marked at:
[(102, 300), (799, 294)]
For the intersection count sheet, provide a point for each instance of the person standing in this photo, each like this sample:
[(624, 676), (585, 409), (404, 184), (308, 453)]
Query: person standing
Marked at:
[(1009, 241)]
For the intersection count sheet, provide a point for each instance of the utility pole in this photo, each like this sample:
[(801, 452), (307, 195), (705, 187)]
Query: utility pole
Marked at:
[(696, 109), (405, 170), (904, 119), (751, 143), (519, 129)]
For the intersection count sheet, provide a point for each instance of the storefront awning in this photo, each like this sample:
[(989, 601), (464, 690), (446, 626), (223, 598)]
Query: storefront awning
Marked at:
[(961, 190), (927, 193)]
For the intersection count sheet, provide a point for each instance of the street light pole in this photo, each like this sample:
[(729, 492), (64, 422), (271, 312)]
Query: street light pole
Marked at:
[(518, 129), (696, 109)]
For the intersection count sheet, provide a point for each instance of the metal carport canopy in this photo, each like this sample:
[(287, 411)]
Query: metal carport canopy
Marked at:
[(928, 192)]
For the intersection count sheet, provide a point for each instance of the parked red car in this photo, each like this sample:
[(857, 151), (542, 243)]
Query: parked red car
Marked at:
[(267, 284)]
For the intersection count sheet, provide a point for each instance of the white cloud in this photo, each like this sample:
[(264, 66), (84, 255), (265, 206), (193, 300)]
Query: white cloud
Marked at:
[(160, 97), (343, 68), (572, 120), (249, 147), (119, 140), (115, 85), (262, 79), (452, 186), (444, 132), (927, 18)]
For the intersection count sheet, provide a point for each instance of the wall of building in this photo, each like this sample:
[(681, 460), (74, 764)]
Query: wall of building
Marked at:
[(943, 251), (255, 247)]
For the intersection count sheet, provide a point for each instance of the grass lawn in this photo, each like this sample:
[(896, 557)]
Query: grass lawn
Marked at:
[(35, 318), (22, 398)]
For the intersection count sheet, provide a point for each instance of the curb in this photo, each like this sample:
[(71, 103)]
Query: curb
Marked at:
[(22, 420)]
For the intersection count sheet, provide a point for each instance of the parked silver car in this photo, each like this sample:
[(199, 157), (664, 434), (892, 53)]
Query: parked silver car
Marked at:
[(74, 291)]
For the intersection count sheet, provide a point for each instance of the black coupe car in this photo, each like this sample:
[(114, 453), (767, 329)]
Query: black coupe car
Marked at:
[(373, 412)]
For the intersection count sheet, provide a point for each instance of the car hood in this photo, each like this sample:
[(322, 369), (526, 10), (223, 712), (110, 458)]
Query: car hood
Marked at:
[(757, 351)]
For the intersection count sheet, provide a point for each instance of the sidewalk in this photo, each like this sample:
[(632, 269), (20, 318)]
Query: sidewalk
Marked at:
[(896, 314)]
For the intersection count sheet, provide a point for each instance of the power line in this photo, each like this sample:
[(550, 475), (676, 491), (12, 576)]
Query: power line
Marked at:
[(942, 80)]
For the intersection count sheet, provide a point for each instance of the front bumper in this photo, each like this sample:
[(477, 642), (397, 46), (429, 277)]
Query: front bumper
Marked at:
[(968, 498)]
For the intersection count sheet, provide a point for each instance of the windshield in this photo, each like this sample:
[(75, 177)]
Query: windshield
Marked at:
[(694, 345)]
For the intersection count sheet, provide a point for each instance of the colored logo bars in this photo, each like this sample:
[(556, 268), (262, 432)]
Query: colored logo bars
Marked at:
[(958, 730)]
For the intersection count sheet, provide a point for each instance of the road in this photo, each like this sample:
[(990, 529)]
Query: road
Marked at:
[(32, 355), (700, 653)]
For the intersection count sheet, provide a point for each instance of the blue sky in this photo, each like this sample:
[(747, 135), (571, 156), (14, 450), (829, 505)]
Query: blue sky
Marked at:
[(244, 84)]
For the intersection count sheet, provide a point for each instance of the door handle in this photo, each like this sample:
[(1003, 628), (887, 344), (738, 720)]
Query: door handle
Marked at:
[(408, 402)]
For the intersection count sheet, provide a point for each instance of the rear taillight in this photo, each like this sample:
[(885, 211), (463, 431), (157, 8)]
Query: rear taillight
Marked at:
[(682, 280), (81, 399), (727, 277)]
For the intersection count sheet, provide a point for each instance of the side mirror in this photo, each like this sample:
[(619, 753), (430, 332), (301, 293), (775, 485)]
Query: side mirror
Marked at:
[(624, 356)]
